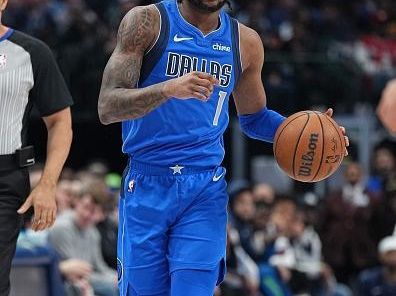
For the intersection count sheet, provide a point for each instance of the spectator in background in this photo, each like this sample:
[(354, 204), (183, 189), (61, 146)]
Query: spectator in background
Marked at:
[(354, 190), (242, 276), (65, 194), (75, 237), (278, 260), (264, 198), (383, 170), (108, 230), (264, 193), (242, 213), (384, 211), (108, 226), (380, 281), (287, 219), (348, 246), (282, 216), (307, 247), (311, 204), (97, 169)]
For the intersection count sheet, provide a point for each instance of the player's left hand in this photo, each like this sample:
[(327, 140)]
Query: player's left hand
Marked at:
[(329, 113), (42, 198)]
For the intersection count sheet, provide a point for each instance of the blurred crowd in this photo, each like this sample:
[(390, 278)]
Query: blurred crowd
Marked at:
[(324, 52), (84, 237), (342, 243), (317, 52)]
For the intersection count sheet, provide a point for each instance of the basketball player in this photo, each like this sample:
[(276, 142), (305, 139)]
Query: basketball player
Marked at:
[(387, 108), (168, 81)]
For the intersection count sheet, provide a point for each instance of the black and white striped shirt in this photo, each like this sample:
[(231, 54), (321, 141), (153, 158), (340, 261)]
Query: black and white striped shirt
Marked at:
[(28, 76)]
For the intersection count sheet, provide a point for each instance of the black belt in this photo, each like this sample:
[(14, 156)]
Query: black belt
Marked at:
[(8, 162), (23, 157)]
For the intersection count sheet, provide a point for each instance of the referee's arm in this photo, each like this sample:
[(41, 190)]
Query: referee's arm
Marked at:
[(42, 198), (53, 100)]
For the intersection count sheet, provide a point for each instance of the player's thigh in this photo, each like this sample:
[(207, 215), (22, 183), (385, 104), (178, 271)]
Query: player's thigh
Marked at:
[(198, 238), (193, 282), (143, 241)]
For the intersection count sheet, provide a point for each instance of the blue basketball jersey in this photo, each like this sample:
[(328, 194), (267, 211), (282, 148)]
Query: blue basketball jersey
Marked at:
[(186, 132)]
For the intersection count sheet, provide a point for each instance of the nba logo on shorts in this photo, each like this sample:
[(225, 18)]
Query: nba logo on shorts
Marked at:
[(131, 186), (3, 61)]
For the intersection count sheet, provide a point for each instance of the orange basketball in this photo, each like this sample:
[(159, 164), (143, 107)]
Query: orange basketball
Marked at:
[(309, 146)]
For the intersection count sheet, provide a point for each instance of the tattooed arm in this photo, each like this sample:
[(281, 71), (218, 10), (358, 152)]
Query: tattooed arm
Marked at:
[(119, 100)]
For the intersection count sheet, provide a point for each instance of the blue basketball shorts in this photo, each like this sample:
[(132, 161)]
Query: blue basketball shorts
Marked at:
[(170, 219)]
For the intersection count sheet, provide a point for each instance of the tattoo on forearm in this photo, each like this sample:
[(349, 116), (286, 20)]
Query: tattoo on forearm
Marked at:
[(119, 100)]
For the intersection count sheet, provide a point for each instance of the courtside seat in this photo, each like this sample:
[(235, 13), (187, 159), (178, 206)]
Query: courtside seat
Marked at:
[(35, 272)]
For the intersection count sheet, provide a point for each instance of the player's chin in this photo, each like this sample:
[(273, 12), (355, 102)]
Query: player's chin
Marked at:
[(213, 5)]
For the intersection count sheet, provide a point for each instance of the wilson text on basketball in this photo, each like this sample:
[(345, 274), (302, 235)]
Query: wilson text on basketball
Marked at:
[(305, 168)]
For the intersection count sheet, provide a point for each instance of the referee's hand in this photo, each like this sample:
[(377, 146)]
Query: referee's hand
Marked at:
[(42, 198)]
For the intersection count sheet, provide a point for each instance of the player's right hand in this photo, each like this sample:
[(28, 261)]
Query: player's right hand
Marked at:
[(198, 85)]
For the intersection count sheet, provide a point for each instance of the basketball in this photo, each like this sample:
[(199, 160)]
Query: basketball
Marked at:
[(309, 146)]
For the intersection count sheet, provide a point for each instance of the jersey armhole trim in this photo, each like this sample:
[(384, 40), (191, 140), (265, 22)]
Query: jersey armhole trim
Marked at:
[(235, 36), (152, 57), (240, 51), (159, 32)]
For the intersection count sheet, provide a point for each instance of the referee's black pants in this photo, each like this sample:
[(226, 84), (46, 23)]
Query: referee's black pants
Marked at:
[(14, 189)]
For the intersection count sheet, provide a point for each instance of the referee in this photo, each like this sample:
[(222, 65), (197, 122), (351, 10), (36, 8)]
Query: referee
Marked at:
[(28, 76)]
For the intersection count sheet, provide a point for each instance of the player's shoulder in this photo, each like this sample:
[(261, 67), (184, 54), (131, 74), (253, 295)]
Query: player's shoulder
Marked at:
[(143, 11), (141, 25), (250, 39), (249, 35), (144, 15), (31, 44)]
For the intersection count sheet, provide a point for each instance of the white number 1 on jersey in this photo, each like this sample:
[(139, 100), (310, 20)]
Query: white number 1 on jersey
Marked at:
[(222, 97)]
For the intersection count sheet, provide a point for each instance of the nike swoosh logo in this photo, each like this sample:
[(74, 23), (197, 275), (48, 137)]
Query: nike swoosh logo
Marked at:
[(180, 39), (217, 178)]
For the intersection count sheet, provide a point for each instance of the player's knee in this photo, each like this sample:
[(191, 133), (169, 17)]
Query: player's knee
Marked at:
[(145, 281), (132, 292), (191, 282)]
